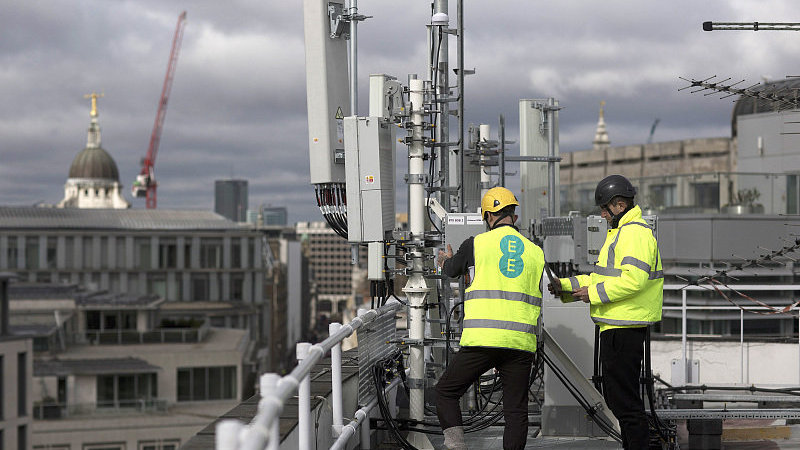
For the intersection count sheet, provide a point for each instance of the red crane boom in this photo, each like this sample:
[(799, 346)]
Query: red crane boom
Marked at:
[(145, 184)]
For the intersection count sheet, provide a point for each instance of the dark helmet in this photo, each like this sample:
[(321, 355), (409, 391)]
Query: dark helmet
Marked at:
[(613, 186)]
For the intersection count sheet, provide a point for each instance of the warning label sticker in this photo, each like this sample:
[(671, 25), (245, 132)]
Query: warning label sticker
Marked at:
[(339, 114), (369, 179)]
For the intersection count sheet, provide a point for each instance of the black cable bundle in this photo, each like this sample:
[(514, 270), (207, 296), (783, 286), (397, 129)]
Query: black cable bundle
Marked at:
[(332, 203), (666, 435)]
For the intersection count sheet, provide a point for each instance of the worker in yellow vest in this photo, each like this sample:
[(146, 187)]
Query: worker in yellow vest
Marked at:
[(501, 309), (625, 293)]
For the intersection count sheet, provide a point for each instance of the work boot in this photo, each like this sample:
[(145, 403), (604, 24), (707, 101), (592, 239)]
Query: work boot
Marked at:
[(454, 438)]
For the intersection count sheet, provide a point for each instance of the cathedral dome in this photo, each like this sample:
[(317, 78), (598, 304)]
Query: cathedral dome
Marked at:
[(94, 162)]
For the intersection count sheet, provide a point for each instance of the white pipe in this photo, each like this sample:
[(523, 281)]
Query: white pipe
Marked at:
[(336, 380), (366, 439), (268, 384), (227, 433), (483, 136), (741, 342), (683, 338), (353, 58), (416, 288), (304, 401)]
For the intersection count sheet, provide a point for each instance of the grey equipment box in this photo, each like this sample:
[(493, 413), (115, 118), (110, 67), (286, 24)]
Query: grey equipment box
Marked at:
[(369, 144), (460, 226)]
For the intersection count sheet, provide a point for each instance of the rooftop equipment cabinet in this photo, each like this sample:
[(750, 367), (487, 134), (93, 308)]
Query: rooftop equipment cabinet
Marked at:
[(327, 88), (369, 152)]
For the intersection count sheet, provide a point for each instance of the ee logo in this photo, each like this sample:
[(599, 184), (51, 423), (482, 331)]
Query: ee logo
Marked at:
[(511, 264)]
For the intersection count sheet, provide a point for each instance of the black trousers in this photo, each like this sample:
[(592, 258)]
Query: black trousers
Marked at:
[(621, 351), (469, 364)]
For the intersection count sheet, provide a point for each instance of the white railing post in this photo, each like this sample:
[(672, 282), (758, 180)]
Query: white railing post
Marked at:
[(366, 443), (304, 401), (336, 380), (227, 434), (741, 342), (683, 339), (268, 384)]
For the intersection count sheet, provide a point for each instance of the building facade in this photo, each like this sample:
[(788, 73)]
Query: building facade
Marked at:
[(122, 372)]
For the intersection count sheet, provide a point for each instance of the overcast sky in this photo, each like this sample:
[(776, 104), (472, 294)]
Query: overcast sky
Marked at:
[(238, 104)]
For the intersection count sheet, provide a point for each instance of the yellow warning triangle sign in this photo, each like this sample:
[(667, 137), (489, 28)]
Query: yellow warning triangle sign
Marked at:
[(339, 114)]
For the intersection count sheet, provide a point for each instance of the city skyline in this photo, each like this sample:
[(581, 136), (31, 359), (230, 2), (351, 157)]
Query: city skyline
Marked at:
[(237, 107)]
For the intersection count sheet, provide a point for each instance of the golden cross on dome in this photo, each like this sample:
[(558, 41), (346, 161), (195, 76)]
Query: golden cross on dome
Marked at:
[(94, 96)]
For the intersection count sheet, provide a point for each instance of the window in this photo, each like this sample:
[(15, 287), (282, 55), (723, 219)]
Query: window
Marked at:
[(105, 446), (237, 286), (88, 252), (22, 384), (31, 253), (792, 196), (706, 195), (22, 437), (662, 195), (167, 256), (165, 444), (211, 254), (12, 252), (236, 253), (125, 391), (2, 391), (206, 383), (52, 249), (142, 249), (200, 286), (120, 243)]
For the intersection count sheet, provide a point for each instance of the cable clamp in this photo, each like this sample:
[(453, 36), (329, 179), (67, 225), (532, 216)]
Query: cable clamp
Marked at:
[(417, 178), (415, 383)]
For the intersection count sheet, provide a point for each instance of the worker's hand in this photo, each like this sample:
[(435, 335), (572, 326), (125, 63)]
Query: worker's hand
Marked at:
[(445, 255), (551, 288), (581, 294)]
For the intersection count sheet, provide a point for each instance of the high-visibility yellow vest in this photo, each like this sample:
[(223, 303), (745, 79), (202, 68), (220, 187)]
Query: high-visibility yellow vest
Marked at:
[(626, 289), (503, 303)]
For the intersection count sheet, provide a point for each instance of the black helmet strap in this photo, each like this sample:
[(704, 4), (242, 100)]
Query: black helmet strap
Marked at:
[(615, 220)]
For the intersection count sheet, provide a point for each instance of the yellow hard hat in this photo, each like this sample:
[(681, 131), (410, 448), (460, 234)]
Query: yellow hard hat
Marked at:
[(496, 199)]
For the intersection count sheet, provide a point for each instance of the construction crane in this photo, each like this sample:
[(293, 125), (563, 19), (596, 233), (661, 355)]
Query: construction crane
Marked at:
[(145, 184)]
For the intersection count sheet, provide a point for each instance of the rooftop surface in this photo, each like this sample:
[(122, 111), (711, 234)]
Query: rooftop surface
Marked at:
[(113, 219)]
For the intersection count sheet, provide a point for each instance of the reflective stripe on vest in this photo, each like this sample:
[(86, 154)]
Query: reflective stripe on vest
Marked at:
[(500, 324), (504, 295)]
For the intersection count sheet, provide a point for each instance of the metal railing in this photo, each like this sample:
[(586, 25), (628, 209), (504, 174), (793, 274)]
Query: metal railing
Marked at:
[(263, 433), (53, 410), (684, 308), (134, 337)]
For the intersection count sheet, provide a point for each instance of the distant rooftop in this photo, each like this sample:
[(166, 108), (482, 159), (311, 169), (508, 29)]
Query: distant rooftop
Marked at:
[(59, 367), (120, 219)]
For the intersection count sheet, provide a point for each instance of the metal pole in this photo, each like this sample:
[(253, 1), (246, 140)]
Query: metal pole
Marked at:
[(683, 337), (303, 402), (460, 8), (336, 380), (439, 73), (551, 152), (483, 137), (353, 58), (502, 136), (416, 289)]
